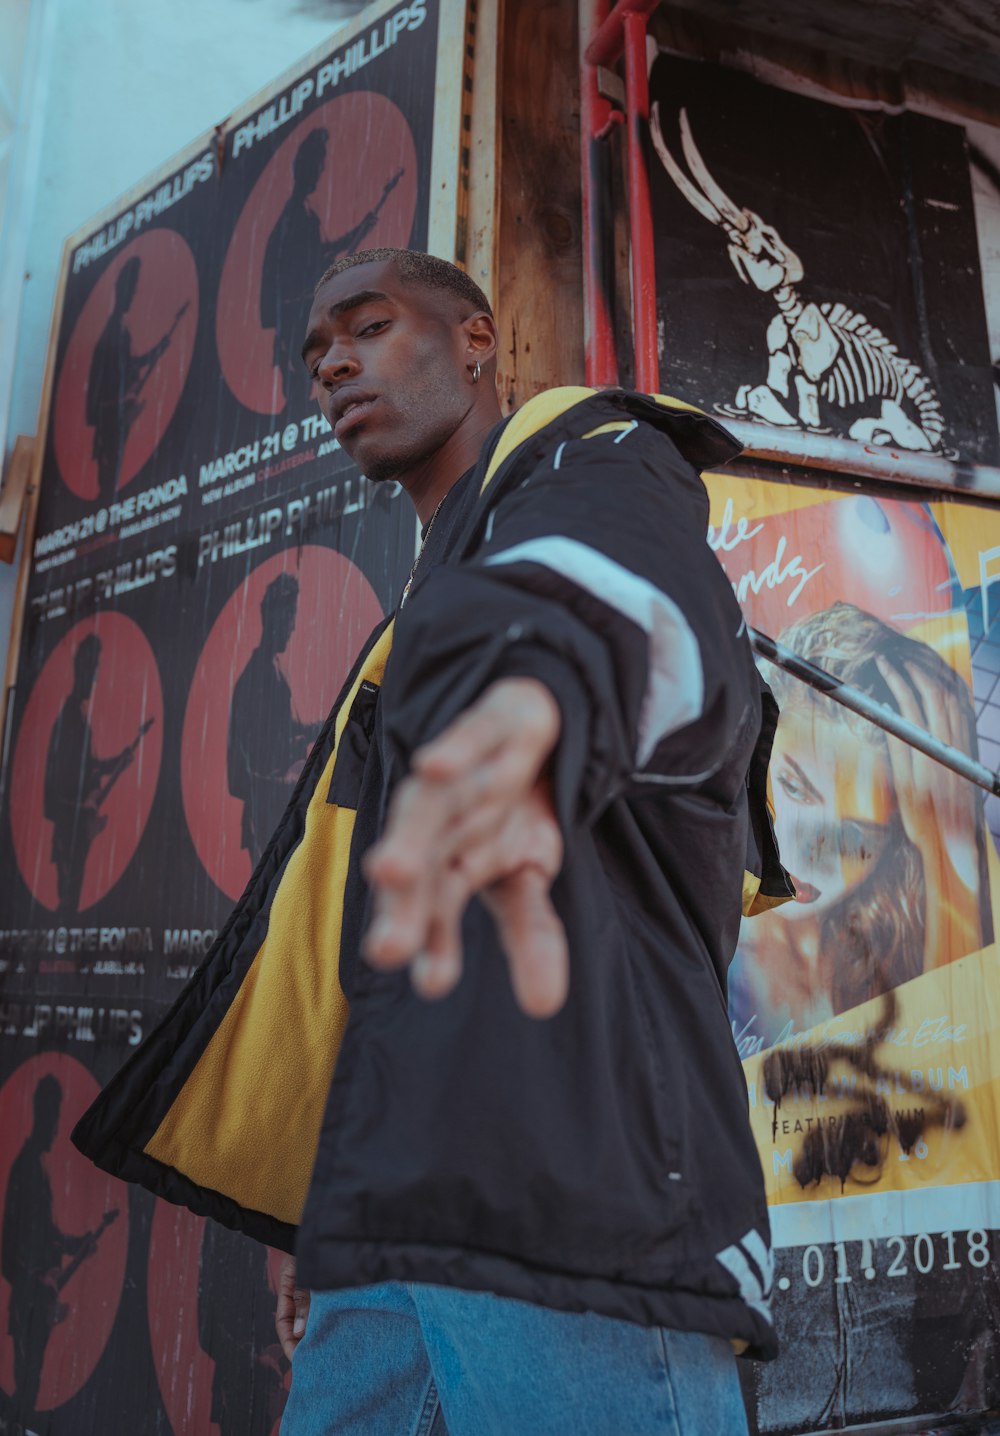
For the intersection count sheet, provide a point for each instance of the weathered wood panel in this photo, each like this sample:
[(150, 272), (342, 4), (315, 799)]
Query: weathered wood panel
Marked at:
[(539, 269)]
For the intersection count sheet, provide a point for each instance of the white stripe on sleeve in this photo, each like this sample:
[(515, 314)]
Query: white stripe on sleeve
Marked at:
[(675, 689)]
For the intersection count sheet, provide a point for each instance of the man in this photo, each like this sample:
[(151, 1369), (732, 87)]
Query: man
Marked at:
[(295, 252), (116, 379), (533, 1204), (74, 778), (34, 1247), (235, 1331), (266, 742)]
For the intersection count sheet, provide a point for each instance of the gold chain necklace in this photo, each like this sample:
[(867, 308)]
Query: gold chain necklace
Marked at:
[(420, 552)]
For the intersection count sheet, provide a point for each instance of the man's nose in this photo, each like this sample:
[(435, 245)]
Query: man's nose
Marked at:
[(338, 364)]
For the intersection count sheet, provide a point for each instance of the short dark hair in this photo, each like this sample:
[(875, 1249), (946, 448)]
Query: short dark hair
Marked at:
[(281, 590), (414, 267), (86, 657)]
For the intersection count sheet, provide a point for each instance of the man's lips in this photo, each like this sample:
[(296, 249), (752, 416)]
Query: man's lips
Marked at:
[(353, 412), (804, 892)]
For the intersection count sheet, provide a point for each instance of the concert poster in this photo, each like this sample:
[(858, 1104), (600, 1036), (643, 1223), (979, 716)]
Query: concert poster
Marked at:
[(863, 1011), (206, 565), (207, 562)]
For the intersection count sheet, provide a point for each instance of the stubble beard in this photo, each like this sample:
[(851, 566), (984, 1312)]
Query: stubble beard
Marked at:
[(394, 467)]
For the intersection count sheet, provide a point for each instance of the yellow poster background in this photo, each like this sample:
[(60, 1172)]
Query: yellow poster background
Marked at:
[(873, 1014)]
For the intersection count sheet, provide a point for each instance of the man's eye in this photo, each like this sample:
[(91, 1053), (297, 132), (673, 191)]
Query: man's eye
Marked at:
[(372, 328)]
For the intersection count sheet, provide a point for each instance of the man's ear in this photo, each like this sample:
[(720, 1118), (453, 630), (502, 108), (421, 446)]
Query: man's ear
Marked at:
[(481, 336)]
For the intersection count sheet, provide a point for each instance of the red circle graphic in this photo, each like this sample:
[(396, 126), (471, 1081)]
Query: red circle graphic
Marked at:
[(71, 732), (211, 1300), (59, 1292), (312, 203), (332, 609), (125, 365)]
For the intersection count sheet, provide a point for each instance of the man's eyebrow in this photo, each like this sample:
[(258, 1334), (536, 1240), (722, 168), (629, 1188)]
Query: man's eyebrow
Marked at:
[(344, 306)]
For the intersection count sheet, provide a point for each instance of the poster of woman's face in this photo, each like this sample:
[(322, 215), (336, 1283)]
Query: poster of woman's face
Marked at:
[(887, 849)]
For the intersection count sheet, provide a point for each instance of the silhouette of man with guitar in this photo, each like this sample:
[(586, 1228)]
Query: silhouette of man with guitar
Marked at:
[(267, 744), (116, 380), (297, 253), (77, 781), (236, 1331), (34, 1248)]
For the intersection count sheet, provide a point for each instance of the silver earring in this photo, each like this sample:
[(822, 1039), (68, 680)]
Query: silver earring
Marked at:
[(476, 373)]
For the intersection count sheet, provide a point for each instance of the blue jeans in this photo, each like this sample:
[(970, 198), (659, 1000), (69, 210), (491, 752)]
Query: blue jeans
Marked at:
[(416, 1360)]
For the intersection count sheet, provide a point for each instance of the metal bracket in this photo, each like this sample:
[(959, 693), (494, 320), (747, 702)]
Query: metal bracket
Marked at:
[(611, 86)]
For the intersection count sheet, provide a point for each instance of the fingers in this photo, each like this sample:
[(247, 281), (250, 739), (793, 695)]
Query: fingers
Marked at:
[(924, 699), (512, 871), (473, 813), (907, 693), (900, 753), (435, 971), (471, 779), (937, 806), (420, 912), (292, 1309), (431, 825), (301, 1314), (534, 940), (464, 787)]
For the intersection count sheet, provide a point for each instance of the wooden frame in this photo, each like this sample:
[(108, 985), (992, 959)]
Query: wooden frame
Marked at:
[(21, 488)]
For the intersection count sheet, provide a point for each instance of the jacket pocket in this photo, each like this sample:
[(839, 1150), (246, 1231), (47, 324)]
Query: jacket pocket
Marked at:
[(352, 751)]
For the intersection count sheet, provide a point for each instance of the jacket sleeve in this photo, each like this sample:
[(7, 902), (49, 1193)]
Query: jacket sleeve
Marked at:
[(594, 576)]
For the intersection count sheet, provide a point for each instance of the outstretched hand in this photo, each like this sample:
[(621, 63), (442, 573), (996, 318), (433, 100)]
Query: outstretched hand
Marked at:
[(475, 817)]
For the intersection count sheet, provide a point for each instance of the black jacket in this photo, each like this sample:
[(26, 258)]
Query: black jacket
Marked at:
[(601, 1160)]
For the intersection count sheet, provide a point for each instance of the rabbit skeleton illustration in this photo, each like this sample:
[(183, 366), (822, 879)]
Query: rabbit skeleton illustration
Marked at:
[(818, 350)]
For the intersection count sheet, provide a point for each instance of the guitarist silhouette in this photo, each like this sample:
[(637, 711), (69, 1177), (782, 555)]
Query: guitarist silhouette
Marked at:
[(77, 781), (297, 254), (267, 743), (236, 1330), (33, 1248), (116, 380)]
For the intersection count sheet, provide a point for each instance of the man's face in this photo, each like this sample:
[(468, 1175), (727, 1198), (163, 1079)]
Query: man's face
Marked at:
[(394, 352)]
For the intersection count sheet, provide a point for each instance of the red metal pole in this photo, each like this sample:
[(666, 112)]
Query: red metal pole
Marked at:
[(603, 36), (609, 38), (597, 118), (647, 359)]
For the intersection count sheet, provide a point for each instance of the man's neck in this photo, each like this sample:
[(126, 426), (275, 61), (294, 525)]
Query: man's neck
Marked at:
[(428, 482)]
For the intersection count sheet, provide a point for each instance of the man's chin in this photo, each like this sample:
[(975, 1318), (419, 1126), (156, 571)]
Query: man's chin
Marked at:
[(377, 467), (378, 475)]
